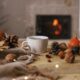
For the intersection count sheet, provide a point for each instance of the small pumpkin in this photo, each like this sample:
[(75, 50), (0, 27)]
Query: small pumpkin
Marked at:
[(74, 42)]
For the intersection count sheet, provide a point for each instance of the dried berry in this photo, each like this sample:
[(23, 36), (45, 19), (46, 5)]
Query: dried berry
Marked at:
[(49, 60), (51, 52), (48, 56)]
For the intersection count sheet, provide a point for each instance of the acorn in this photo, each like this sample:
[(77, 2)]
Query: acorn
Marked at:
[(61, 54)]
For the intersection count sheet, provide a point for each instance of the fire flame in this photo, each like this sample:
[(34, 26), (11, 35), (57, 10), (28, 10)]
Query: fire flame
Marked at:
[(55, 22), (57, 27)]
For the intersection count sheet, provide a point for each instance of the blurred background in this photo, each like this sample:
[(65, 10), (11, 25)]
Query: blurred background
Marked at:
[(19, 16)]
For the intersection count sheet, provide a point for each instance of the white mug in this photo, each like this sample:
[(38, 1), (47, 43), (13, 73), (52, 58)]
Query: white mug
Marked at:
[(37, 44)]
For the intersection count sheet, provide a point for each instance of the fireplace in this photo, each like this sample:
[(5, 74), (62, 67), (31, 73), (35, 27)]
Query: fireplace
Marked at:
[(54, 26)]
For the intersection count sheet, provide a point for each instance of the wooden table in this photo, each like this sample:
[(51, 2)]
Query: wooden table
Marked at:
[(65, 70)]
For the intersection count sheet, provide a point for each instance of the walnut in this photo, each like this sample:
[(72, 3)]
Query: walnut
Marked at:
[(10, 57)]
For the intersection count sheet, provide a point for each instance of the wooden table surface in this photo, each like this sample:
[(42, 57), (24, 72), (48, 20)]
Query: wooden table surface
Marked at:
[(65, 70)]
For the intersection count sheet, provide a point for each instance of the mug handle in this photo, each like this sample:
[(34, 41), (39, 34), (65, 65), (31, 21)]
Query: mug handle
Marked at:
[(26, 47)]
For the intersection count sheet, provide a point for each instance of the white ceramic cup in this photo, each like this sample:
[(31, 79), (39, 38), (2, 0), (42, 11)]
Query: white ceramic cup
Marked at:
[(37, 44)]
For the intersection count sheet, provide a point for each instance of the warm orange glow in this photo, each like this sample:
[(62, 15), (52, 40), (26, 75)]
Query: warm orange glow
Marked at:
[(57, 27), (60, 27), (55, 22)]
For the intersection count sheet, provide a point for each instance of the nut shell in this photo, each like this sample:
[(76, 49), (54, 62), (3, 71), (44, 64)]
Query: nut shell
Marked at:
[(10, 57)]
